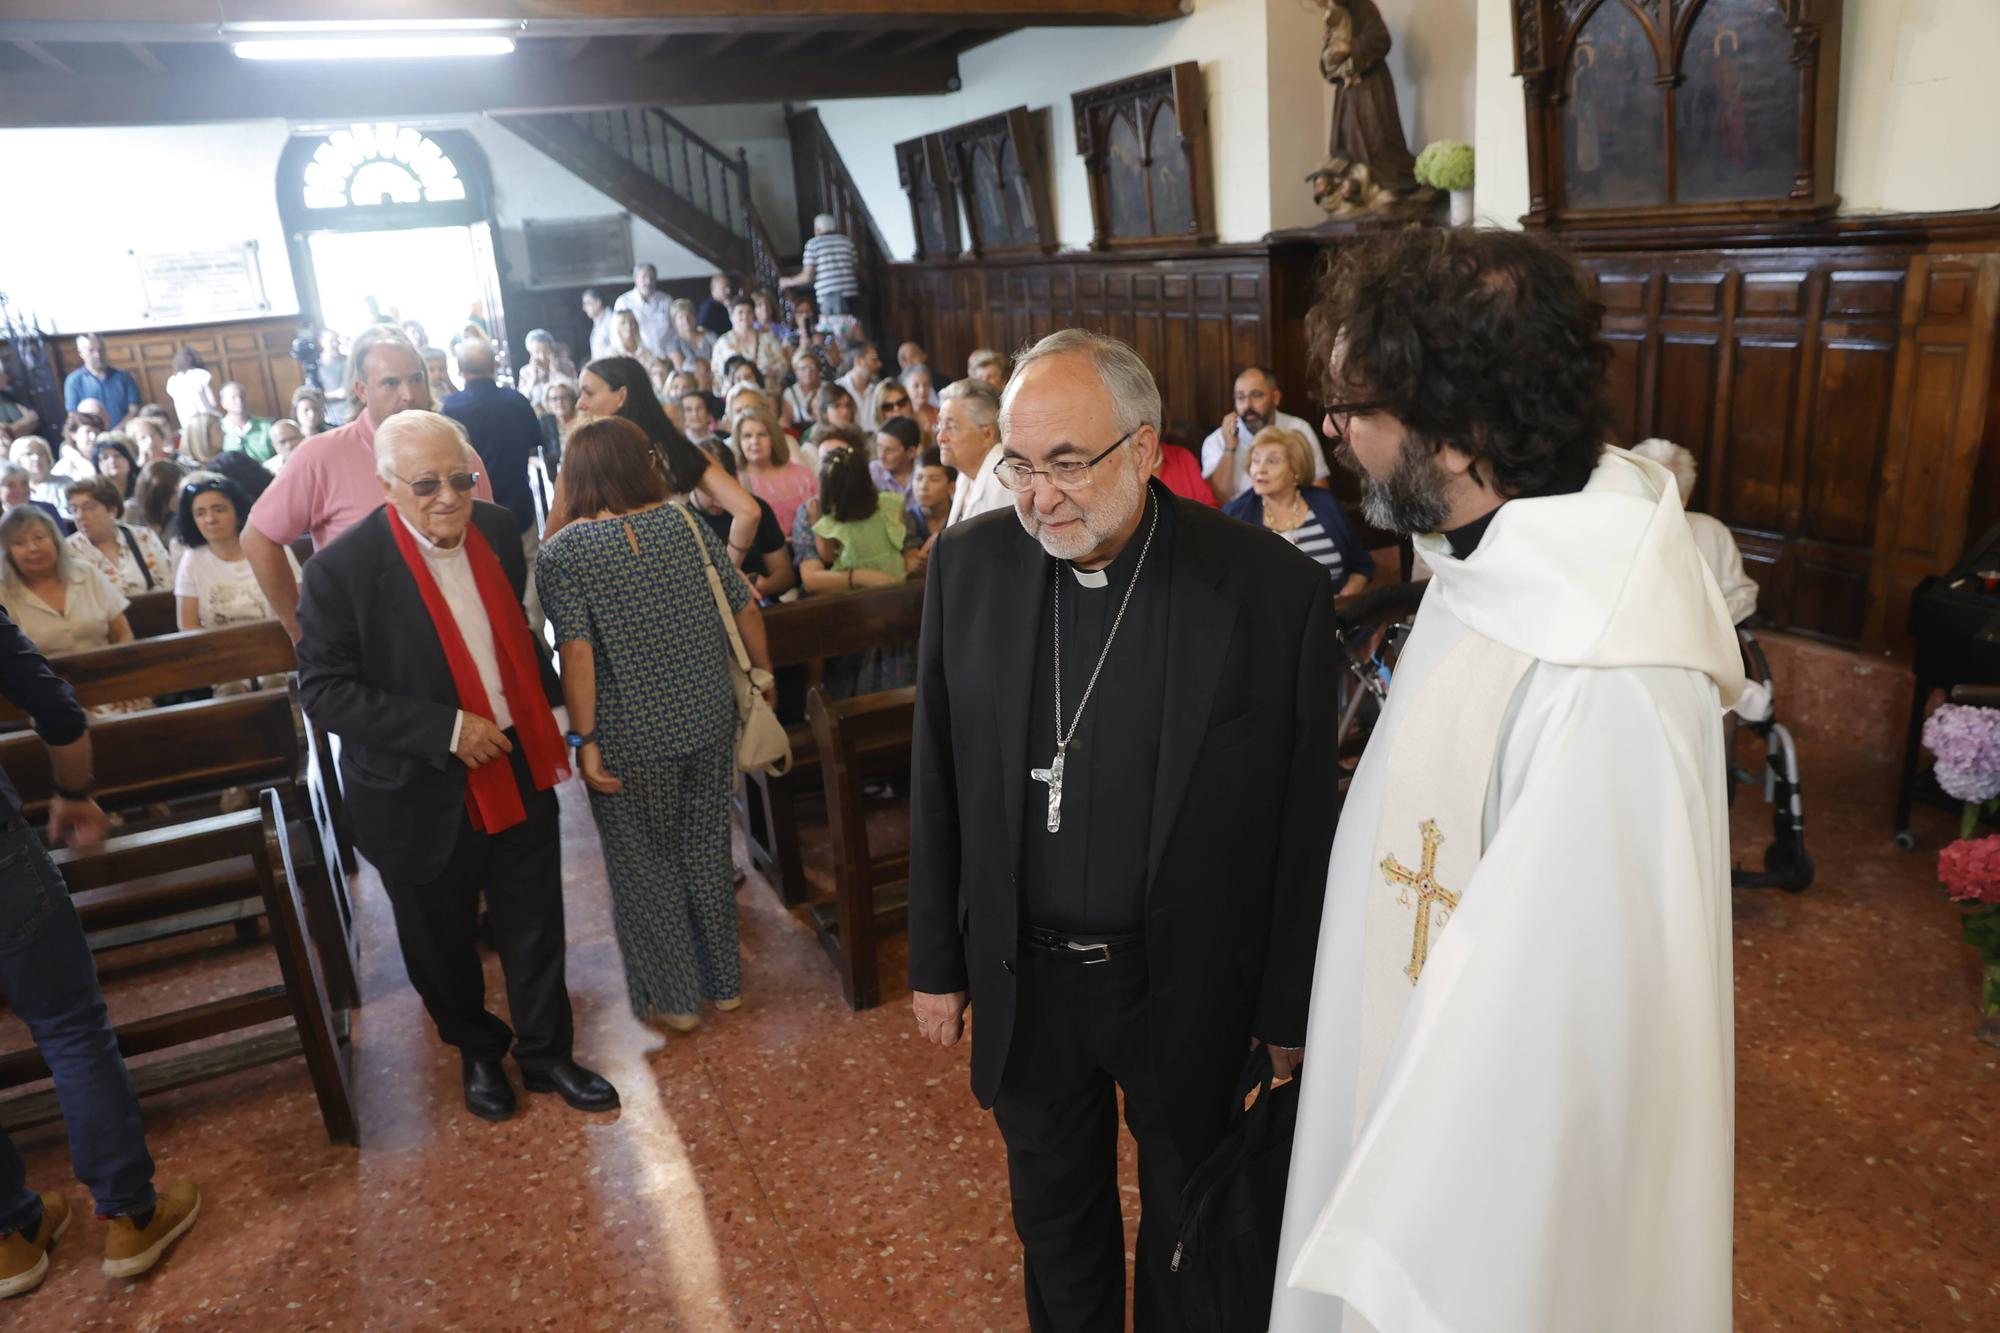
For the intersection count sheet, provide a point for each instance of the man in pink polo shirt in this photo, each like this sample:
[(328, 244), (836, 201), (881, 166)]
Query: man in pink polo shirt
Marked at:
[(329, 482)]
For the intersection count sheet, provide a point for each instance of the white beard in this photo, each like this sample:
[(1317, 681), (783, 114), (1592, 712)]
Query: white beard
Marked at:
[(1125, 497)]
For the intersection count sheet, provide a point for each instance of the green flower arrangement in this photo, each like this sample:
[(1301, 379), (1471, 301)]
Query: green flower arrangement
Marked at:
[(1446, 165)]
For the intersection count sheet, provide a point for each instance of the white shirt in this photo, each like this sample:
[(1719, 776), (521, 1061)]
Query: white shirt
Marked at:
[(191, 392), (1212, 455), (90, 604), (604, 338), (453, 573), (226, 591), (981, 492), (652, 312), (867, 402)]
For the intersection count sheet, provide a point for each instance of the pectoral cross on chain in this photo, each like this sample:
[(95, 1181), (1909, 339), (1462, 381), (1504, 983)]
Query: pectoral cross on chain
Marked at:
[(1053, 775), (1429, 892)]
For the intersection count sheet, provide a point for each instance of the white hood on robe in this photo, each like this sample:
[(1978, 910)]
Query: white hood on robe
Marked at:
[(1606, 577)]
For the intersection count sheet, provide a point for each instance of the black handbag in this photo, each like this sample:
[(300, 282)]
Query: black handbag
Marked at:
[(1233, 1207)]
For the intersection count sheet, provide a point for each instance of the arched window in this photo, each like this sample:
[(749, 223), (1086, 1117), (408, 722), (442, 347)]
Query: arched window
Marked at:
[(380, 175), (371, 165)]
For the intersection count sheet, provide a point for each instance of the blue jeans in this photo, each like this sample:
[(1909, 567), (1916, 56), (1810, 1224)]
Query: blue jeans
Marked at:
[(50, 981)]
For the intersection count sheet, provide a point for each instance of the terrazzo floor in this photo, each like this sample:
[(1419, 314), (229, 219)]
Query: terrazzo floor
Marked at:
[(797, 1166)]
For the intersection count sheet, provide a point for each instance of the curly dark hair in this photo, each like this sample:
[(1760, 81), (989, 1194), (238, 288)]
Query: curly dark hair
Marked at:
[(1484, 340), (198, 485)]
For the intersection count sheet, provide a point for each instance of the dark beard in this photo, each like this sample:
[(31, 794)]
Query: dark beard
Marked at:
[(1410, 499), (1251, 421)]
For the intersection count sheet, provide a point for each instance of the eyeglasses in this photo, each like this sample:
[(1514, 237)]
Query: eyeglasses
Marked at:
[(424, 488), (1340, 414), (1066, 475)]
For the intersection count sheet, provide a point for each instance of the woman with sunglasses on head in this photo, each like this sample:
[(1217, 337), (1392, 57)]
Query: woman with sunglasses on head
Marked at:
[(215, 584), (618, 386)]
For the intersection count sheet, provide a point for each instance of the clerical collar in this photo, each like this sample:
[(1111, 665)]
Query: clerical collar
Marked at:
[(431, 550), (1465, 540), (1101, 578)]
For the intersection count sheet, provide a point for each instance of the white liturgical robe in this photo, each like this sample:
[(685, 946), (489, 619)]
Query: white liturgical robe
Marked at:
[(1517, 1105)]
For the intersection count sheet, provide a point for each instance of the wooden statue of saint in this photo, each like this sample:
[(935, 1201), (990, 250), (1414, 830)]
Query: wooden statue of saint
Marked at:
[(1367, 135)]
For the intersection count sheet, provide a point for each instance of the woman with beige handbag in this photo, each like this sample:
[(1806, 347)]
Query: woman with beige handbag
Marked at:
[(659, 686)]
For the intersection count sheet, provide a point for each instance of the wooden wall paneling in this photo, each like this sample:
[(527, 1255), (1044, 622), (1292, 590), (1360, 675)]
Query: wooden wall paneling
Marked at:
[(1951, 304), (255, 352)]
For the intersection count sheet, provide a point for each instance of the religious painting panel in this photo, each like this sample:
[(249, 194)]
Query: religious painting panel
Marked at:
[(1645, 112), (1144, 142), (1736, 112), (995, 165), (920, 168), (1614, 118)]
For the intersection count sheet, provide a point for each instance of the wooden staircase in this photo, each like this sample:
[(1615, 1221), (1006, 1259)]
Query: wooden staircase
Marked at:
[(665, 174)]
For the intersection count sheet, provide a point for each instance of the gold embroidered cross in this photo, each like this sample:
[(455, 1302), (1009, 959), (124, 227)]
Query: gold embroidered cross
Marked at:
[(1429, 891)]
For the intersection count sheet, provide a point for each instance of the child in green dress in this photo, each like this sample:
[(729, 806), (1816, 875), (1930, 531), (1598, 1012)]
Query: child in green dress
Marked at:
[(859, 528)]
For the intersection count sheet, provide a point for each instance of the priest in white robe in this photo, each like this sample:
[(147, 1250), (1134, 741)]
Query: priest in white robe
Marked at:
[(1517, 1105)]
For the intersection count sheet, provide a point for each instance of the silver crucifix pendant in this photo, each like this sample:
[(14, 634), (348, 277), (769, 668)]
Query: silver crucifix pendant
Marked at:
[(1053, 775)]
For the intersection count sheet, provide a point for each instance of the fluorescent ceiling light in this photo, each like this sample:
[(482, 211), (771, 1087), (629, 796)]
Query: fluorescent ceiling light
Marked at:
[(371, 48), (370, 25)]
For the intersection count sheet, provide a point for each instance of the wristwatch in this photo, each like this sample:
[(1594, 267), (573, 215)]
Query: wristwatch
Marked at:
[(67, 795), (578, 740)]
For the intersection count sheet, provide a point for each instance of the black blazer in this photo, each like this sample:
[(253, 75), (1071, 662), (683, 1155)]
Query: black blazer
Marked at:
[(1243, 804), (372, 671)]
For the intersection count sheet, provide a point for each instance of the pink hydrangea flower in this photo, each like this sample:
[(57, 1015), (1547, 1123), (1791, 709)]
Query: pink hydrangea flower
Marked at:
[(1966, 742), (1970, 869)]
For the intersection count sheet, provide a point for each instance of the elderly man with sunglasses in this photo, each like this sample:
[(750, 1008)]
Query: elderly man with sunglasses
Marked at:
[(417, 654), (1123, 764)]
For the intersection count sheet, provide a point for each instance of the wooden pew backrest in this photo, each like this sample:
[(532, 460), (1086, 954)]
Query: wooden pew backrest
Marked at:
[(152, 614), (171, 663), (247, 740), (828, 626)]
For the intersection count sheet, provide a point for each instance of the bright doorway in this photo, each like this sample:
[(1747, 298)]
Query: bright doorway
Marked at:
[(430, 274)]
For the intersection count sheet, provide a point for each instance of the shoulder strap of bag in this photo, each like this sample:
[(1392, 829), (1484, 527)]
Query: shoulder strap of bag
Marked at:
[(138, 556), (715, 588)]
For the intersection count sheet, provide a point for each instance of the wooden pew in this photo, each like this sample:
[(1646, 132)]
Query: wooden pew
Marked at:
[(257, 837), (808, 632), (152, 614), (870, 892), (253, 740), (172, 663)]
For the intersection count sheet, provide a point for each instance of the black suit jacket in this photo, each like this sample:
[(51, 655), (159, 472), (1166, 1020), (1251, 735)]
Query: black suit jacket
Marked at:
[(1243, 801), (372, 671)]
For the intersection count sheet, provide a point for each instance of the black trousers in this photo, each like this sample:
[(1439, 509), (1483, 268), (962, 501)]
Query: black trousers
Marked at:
[(520, 872), (1081, 1031)]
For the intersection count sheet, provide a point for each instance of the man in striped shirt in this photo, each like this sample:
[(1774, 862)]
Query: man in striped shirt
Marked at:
[(830, 268)]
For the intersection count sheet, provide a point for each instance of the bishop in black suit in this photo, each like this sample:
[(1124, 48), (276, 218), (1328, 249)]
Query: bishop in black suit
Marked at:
[(1124, 783)]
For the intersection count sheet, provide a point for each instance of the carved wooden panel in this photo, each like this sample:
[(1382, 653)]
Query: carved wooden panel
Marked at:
[(1196, 320), (1644, 110), (1144, 143), (920, 167), (996, 165), (254, 352)]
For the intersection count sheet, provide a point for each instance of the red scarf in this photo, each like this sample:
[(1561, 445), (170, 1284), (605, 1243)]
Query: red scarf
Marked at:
[(491, 796)]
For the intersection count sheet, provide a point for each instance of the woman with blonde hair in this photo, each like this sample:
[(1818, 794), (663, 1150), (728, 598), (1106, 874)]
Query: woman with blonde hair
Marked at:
[(768, 468), (1283, 500), (625, 338), (151, 439), (689, 344), (61, 603), (201, 439)]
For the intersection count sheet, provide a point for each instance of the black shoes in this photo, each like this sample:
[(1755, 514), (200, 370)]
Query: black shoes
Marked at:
[(488, 1094), (576, 1085)]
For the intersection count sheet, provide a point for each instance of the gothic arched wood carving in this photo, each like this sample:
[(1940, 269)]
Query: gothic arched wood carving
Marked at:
[(1144, 144), (1645, 111)]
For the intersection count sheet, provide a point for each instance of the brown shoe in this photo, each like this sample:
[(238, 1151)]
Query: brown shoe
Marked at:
[(23, 1262), (130, 1250)]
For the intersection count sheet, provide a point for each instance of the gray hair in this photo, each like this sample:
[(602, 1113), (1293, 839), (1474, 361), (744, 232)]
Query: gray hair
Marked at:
[(415, 421), (1674, 459), (28, 516), (824, 222), (15, 472), (476, 358), (982, 400), (1135, 398), (539, 336)]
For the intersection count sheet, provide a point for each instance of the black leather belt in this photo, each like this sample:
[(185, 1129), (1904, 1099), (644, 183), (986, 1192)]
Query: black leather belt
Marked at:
[(1081, 948)]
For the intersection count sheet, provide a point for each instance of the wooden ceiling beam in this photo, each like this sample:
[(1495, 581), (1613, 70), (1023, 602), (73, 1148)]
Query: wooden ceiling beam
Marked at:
[(571, 49), (196, 20), (419, 88), (649, 47)]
